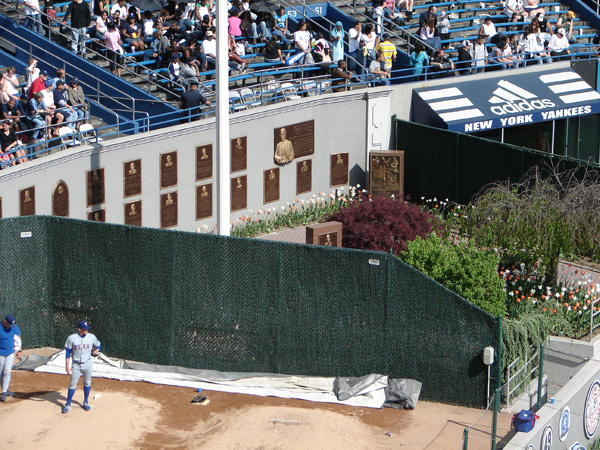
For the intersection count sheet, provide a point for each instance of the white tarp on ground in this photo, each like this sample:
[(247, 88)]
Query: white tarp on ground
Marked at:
[(370, 394)]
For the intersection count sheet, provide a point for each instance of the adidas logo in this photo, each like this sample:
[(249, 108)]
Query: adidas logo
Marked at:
[(509, 98)]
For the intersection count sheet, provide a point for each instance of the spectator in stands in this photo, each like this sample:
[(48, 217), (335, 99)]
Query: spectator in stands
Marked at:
[(419, 60), (38, 84), (101, 22), (480, 54), (76, 100), (112, 41), (516, 50), (369, 42), (465, 58), (532, 7), (99, 7), (272, 51), (340, 77), (431, 13), (32, 71), (534, 49), (209, 49), (488, 29), (407, 7), (188, 72), (321, 44), (9, 85), (193, 100), (567, 23), (176, 33), (9, 143), (174, 66), (61, 101), (377, 74), (60, 75), (559, 46), (36, 113), (262, 26), (203, 9), (354, 48), (443, 27), (337, 42), (496, 60), (388, 50), (80, 15), (11, 112), (148, 26), (34, 16), (121, 7), (302, 40), (158, 50), (173, 47), (281, 26), (441, 66), (234, 23), (232, 50), (115, 18), (427, 33), (131, 34), (545, 28), (514, 10)]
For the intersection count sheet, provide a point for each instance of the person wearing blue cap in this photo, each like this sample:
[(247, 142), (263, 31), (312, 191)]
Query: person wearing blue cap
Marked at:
[(80, 347), (10, 345)]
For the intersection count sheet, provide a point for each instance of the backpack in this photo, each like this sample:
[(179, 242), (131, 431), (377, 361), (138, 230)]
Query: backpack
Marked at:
[(524, 420)]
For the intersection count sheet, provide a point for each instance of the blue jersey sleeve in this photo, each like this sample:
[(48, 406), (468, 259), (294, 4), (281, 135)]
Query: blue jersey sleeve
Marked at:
[(68, 350)]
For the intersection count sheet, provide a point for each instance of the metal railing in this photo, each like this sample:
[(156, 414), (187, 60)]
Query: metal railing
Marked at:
[(519, 374)]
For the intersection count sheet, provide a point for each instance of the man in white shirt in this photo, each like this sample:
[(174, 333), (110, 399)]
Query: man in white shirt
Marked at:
[(34, 18), (209, 47), (354, 50), (514, 10), (559, 46), (121, 5)]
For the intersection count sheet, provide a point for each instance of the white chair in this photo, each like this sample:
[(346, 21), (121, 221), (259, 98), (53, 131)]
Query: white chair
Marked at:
[(289, 92), (67, 137), (236, 101), (87, 132), (249, 98)]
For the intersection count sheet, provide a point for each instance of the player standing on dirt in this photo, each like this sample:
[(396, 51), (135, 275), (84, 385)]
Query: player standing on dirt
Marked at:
[(10, 345), (80, 346)]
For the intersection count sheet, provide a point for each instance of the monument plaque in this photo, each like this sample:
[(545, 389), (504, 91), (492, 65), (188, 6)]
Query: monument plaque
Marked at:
[(294, 141), (168, 210), (132, 178), (204, 206), (239, 193), (95, 187), (271, 185), (303, 176), (386, 173), (328, 234), (168, 170), (60, 200), (239, 160), (27, 201), (133, 213), (204, 162), (339, 169), (97, 216)]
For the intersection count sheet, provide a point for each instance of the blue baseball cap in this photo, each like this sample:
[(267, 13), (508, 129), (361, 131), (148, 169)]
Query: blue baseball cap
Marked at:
[(10, 320), (83, 325)]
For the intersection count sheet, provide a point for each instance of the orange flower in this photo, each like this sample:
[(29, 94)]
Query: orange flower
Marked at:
[(545, 309), (543, 297), (577, 305), (518, 300), (566, 304), (553, 311)]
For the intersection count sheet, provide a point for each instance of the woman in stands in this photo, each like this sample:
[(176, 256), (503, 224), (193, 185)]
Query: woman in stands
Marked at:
[(302, 43), (8, 140), (419, 60), (427, 34), (337, 42), (101, 22), (534, 48), (131, 34), (112, 41), (368, 42), (272, 51)]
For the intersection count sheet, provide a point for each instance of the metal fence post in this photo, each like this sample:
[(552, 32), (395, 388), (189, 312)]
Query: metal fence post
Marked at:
[(495, 419), (540, 376), (465, 439)]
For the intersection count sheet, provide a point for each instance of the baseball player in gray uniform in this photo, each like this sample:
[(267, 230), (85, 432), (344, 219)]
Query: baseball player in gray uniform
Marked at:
[(80, 347)]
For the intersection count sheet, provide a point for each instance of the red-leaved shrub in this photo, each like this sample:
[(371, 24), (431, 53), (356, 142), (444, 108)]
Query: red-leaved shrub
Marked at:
[(384, 223)]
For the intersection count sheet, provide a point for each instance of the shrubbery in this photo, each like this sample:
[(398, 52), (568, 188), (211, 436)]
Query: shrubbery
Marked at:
[(384, 224), (469, 272)]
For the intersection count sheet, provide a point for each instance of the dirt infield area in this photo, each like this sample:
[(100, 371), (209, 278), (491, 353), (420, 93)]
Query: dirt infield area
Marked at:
[(137, 415)]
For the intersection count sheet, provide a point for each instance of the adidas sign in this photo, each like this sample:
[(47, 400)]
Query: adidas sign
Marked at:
[(522, 106), (512, 99)]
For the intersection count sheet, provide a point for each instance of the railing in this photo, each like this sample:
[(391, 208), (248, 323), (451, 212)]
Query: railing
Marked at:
[(519, 380)]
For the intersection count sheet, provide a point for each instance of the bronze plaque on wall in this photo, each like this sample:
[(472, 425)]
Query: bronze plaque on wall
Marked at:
[(271, 185), (303, 176), (133, 213), (239, 160), (97, 216), (60, 200), (27, 201), (239, 193), (95, 187), (329, 239), (168, 210), (204, 204), (294, 141), (386, 173), (168, 169), (204, 162), (339, 169), (132, 178)]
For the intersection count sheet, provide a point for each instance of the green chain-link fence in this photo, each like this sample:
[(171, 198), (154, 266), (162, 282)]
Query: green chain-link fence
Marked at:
[(233, 304)]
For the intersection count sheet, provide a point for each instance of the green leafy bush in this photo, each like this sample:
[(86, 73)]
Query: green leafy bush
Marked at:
[(469, 272)]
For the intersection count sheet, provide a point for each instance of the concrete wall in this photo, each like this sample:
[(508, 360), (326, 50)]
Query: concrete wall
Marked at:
[(352, 122), (573, 396)]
